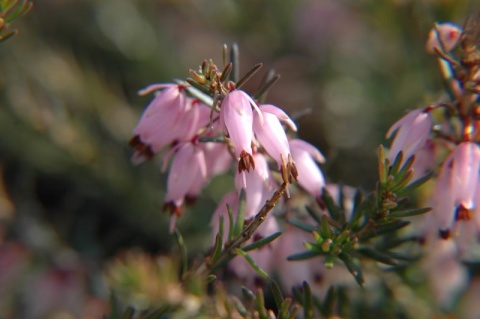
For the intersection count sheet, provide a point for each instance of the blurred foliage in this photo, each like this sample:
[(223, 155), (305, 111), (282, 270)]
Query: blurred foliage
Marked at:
[(71, 199)]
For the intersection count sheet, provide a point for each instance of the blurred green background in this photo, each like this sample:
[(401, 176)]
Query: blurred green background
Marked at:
[(68, 102)]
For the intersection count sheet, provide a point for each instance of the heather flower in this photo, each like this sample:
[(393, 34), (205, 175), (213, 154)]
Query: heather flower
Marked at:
[(270, 132), (217, 157), (237, 117), (257, 185), (445, 273), (187, 173), (310, 176), (445, 35), (455, 192), (152, 133), (412, 132), (424, 160)]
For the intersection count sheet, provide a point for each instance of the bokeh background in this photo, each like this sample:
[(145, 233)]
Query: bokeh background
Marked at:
[(70, 199)]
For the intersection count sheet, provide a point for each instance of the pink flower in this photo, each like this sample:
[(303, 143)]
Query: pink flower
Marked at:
[(217, 157), (445, 35), (424, 159), (445, 274), (257, 185), (411, 133), (187, 174), (456, 188), (152, 132), (237, 117), (310, 176), (270, 132)]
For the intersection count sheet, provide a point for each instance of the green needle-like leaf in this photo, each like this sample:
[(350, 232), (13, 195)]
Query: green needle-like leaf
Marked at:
[(301, 225), (262, 242), (409, 212), (253, 264), (303, 255), (377, 255)]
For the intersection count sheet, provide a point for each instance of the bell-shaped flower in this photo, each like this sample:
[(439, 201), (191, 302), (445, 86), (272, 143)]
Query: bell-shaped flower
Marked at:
[(445, 274), (153, 131), (455, 191), (444, 36), (310, 176), (257, 185), (411, 133), (195, 116), (424, 160), (236, 117), (270, 132), (188, 172), (217, 157)]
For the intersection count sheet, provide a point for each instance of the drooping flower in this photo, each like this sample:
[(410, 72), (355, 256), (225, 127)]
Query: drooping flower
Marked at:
[(217, 157), (412, 131), (257, 185), (152, 132), (444, 35), (446, 275), (270, 132), (188, 172), (310, 176), (455, 192), (236, 115)]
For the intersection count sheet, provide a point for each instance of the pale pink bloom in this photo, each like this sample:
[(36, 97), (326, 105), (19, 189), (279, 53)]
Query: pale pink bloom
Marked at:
[(257, 185), (236, 116), (424, 160), (455, 192), (445, 35), (194, 117), (412, 131), (270, 132), (152, 133), (470, 306), (444, 200), (446, 275), (310, 176), (217, 157), (187, 172)]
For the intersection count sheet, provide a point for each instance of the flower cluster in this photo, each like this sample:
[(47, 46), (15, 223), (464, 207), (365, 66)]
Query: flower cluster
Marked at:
[(450, 145), (203, 134)]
